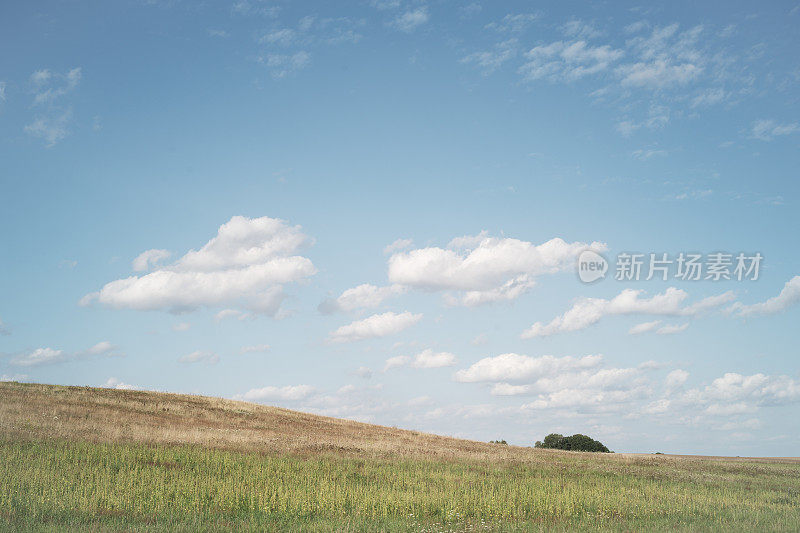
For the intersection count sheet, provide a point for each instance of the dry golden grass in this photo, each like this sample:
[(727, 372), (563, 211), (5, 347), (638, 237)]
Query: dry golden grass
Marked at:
[(33, 411)]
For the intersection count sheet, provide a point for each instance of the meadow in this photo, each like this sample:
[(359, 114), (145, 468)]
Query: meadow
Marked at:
[(96, 459)]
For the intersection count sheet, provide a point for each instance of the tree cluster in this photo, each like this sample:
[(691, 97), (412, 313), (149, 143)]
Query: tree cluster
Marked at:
[(577, 442)]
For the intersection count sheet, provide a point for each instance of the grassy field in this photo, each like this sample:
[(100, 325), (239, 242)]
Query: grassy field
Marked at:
[(97, 459)]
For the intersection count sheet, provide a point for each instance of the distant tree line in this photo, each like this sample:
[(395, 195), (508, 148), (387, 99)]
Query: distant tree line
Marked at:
[(577, 442)]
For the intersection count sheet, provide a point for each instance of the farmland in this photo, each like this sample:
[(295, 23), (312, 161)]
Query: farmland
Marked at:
[(97, 459)]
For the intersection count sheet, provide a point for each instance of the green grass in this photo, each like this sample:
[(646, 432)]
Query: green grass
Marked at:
[(71, 485)]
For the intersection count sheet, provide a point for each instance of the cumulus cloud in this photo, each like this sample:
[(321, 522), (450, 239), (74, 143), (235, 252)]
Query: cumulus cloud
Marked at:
[(40, 356), (199, 356), (379, 325), (289, 392), (425, 359), (395, 362), (150, 258), (735, 393), (47, 356), (114, 383), (361, 297), (516, 367), (676, 378), (245, 266), (789, 296), (588, 311), (575, 383), (482, 268)]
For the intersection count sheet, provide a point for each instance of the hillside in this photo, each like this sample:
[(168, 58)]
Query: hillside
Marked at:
[(34, 411), (88, 459)]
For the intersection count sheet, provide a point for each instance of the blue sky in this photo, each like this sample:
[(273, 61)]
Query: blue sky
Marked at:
[(374, 210)]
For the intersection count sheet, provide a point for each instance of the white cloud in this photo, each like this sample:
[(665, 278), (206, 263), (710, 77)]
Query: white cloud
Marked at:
[(737, 390), (560, 382), (150, 258), (516, 367), (360, 297), (282, 65), (231, 313), (644, 155), (246, 266), (585, 399), (411, 20), (589, 311), (363, 372), (52, 119), (510, 290), (101, 348), (255, 7), (379, 325), (199, 356), (480, 339), (49, 87), (766, 130), (789, 296), (657, 73), (40, 356), (14, 377), (181, 326), (676, 378), (46, 356), (709, 97), (665, 58), (491, 60), (425, 359), (507, 389), (395, 362), (580, 29), (644, 327), (485, 269), (399, 244), (51, 128), (114, 383), (256, 348), (567, 61), (670, 329), (288, 393), (513, 23)]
